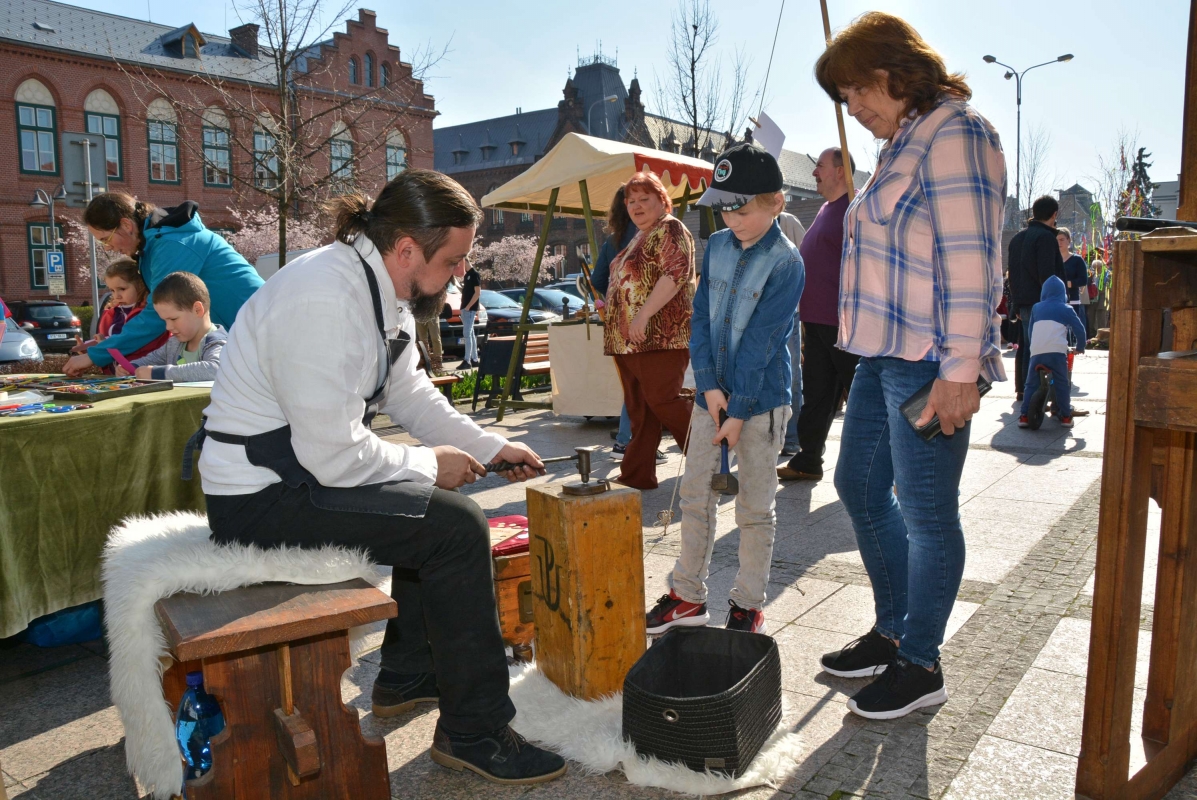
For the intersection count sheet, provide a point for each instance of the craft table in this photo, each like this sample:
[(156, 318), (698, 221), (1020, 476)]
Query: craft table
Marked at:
[(66, 479)]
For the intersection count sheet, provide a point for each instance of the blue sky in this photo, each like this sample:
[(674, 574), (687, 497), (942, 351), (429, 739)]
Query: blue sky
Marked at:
[(1128, 70)]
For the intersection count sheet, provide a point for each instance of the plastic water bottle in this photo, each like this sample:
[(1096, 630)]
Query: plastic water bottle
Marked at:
[(197, 721)]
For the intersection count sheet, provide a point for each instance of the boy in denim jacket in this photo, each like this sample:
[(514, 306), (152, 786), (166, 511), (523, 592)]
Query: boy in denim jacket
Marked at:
[(751, 282)]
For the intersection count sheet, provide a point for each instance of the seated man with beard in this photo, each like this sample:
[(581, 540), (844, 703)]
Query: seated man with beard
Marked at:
[(290, 459)]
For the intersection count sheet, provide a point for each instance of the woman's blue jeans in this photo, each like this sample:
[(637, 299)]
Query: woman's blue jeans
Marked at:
[(912, 545), (625, 428)]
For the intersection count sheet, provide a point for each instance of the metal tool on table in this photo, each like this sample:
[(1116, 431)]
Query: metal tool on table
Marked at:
[(580, 488), (723, 481)]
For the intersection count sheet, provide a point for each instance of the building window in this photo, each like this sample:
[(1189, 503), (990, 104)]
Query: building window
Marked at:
[(164, 151), (216, 157), (38, 133), (369, 62), (385, 74), (525, 219), (496, 218), (40, 243), (354, 78), (108, 126), (583, 251), (396, 154), (265, 160), (341, 158), (560, 250)]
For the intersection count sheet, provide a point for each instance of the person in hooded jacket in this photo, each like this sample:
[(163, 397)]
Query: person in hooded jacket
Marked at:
[(1051, 319), (163, 241)]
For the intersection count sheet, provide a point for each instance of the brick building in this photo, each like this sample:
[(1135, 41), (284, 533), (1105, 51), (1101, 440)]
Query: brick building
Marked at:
[(159, 95), (486, 154)]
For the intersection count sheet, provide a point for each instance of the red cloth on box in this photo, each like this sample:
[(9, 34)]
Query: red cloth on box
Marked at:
[(517, 542)]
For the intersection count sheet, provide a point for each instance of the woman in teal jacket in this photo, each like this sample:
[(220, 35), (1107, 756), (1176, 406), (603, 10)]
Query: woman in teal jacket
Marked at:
[(164, 241)]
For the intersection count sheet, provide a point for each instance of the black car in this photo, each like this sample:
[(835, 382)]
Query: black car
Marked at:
[(502, 313), (51, 323)]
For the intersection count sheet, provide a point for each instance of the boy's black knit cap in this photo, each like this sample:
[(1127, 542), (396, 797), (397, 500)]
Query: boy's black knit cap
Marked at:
[(741, 173)]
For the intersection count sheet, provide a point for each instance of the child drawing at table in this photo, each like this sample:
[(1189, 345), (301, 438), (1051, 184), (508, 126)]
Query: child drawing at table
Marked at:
[(192, 353), (129, 296)]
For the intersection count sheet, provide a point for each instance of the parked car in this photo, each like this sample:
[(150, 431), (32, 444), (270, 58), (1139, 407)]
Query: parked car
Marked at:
[(571, 287), (543, 299), (503, 313), (50, 322), (18, 345), (452, 332)]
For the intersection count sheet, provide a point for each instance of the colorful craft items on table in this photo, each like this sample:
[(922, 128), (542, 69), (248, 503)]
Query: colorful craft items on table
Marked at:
[(96, 388)]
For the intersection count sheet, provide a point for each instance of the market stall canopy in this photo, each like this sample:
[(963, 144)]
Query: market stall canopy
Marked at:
[(605, 166)]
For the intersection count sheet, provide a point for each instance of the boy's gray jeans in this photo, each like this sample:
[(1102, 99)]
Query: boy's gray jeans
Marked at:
[(756, 465)]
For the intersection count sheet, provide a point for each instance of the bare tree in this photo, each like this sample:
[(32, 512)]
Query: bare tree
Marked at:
[(295, 132), (1113, 174), (1037, 176), (698, 90)]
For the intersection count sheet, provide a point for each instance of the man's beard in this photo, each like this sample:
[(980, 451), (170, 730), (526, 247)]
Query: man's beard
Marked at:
[(426, 307)]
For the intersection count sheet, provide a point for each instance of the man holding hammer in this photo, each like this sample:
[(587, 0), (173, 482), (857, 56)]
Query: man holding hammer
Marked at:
[(291, 459)]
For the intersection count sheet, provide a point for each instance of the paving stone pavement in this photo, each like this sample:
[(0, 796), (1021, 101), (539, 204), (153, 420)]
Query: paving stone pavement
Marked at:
[(1014, 659)]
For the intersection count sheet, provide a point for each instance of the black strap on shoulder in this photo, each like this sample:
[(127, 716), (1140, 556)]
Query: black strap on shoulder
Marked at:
[(375, 294)]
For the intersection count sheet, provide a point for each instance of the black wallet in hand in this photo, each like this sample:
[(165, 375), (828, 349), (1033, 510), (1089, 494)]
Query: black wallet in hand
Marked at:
[(912, 409)]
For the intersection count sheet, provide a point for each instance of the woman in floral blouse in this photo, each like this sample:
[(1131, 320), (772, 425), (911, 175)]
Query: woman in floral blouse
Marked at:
[(647, 329)]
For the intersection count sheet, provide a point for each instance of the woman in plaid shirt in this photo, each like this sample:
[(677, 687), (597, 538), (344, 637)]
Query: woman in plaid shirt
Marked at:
[(918, 302)]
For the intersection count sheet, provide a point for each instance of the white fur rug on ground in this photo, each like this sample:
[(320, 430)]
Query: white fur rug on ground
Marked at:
[(590, 733), (148, 558)]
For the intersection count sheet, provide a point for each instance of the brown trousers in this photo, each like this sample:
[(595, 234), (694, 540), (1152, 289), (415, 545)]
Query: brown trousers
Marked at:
[(652, 385)]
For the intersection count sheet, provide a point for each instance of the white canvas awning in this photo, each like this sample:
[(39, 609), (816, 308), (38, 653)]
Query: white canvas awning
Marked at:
[(605, 166)]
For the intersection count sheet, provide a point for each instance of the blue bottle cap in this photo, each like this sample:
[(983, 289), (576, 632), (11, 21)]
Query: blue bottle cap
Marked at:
[(195, 678)]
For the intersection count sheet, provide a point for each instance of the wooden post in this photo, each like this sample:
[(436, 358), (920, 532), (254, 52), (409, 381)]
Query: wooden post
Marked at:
[(839, 113), (587, 559), (520, 333), (684, 202)]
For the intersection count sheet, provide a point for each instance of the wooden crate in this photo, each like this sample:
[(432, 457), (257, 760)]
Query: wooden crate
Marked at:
[(513, 593), (587, 564)]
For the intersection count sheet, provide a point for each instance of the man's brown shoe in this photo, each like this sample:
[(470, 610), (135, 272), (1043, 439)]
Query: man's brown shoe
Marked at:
[(787, 473)]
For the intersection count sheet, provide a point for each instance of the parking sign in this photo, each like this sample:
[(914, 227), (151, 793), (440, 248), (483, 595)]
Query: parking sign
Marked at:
[(56, 272)]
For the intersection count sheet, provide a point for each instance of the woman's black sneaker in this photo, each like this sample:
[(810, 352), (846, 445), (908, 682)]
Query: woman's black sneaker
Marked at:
[(903, 688), (502, 756), (861, 658), (395, 693)]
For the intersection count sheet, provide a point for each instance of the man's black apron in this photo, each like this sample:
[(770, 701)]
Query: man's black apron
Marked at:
[(273, 449)]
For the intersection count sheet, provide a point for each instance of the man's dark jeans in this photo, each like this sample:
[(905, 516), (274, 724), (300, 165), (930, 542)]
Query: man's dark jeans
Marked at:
[(443, 584), (826, 372), (1023, 356)]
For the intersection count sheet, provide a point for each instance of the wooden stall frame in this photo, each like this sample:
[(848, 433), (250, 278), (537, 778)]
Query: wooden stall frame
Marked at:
[(1150, 443)]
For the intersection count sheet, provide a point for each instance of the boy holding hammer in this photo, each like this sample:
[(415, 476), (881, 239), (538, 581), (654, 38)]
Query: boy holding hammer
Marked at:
[(752, 278)]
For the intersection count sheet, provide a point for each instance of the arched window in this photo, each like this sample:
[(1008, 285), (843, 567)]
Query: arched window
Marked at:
[(354, 77), (37, 128), (265, 153), (385, 75), (396, 154), (217, 153), (104, 119), (369, 62), (341, 155), (162, 131)]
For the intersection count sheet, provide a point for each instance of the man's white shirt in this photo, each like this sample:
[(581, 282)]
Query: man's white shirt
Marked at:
[(305, 352)]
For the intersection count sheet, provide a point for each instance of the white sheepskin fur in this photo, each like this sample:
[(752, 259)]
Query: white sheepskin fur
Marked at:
[(590, 733), (149, 558)]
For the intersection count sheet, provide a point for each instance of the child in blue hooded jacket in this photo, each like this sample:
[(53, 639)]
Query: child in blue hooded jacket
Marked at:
[(1051, 320)]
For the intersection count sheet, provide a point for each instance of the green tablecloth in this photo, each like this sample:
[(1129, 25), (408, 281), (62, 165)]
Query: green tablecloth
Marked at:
[(66, 479)]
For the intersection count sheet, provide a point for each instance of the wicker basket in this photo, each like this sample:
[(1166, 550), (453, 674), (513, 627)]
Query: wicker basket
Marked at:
[(705, 697)]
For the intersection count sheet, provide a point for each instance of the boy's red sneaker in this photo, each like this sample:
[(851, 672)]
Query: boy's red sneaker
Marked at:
[(745, 619), (1065, 422), (672, 611), (1022, 422)]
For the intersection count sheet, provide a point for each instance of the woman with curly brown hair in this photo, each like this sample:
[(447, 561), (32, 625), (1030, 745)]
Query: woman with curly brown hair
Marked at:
[(919, 292), (647, 328)]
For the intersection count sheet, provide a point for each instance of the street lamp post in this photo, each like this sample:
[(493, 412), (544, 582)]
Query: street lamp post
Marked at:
[(608, 99), (1013, 73), (41, 200)]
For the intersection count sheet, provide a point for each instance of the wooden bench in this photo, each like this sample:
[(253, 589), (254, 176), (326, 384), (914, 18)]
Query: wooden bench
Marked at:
[(495, 358), (443, 382), (273, 656)]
